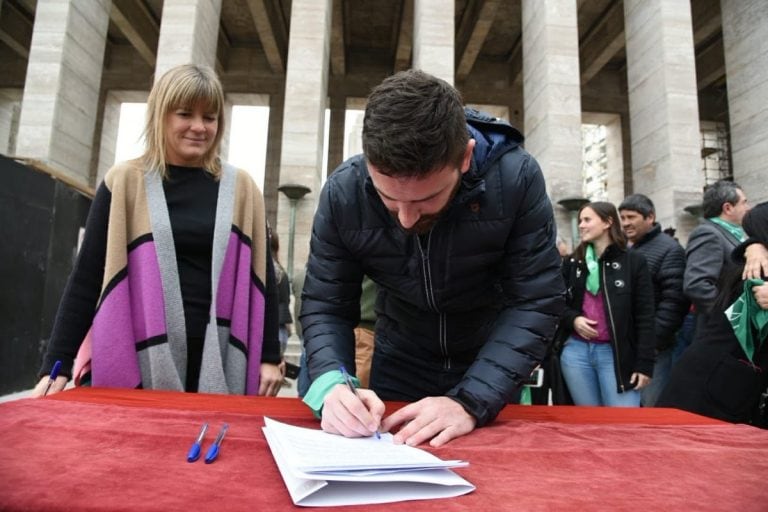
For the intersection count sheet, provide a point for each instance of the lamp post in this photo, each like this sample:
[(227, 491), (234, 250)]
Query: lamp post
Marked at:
[(293, 192), (573, 205)]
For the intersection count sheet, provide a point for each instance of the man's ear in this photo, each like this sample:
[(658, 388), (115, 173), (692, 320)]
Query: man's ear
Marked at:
[(466, 160)]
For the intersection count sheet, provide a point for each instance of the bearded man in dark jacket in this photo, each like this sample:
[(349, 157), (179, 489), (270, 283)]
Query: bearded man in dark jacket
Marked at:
[(449, 216), (666, 261)]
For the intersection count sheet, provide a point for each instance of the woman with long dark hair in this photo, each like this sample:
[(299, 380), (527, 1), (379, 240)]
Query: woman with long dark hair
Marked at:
[(724, 372), (609, 354)]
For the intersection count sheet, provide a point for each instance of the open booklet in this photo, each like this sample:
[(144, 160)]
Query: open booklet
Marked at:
[(321, 469)]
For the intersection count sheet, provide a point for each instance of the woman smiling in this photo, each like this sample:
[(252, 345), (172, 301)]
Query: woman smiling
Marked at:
[(174, 285)]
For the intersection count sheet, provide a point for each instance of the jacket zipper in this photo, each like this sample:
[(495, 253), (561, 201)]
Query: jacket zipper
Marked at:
[(431, 303), (613, 331)]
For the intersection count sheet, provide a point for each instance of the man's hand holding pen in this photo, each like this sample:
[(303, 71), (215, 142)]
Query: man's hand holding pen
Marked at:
[(352, 414)]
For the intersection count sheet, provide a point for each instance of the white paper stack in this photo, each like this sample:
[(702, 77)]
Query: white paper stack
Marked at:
[(321, 469)]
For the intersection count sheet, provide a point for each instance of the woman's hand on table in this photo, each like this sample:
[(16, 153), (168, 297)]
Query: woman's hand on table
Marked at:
[(271, 379), (58, 385)]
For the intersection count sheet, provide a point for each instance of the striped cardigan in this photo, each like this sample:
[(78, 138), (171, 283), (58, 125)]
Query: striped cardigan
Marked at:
[(138, 337)]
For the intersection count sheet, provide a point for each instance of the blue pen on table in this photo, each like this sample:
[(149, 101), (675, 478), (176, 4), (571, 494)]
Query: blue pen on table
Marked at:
[(213, 451), (194, 451), (352, 388), (52, 377)]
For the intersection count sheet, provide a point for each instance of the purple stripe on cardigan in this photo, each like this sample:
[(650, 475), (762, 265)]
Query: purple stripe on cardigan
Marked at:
[(256, 329), (147, 304), (133, 311), (240, 301), (113, 359)]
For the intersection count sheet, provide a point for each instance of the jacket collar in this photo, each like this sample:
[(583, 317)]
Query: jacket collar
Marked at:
[(650, 235)]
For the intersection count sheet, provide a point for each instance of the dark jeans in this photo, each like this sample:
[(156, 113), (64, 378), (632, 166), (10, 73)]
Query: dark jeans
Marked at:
[(684, 336)]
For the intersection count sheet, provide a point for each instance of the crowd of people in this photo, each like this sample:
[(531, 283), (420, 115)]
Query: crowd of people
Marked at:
[(435, 276), (620, 333)]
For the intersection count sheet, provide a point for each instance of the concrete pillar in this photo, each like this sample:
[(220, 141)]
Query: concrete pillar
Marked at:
[(745, 32), (338, 109), (663, 106), (274, 150), (552, 98), (61, 91), (189, 33), (306, 88), (10, 108), (434, 37)]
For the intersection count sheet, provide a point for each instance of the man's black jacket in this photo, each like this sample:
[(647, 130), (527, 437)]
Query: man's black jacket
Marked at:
[(481, 292), (666, 262)]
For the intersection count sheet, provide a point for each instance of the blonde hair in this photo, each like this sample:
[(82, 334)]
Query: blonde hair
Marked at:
[(183, 86)]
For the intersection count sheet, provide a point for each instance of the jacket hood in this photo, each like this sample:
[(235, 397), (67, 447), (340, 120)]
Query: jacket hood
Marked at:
[(493, 138)]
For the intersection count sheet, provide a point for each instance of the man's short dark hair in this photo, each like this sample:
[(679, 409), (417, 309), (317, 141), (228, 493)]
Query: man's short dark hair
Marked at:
[(414, 124), (638, 203), (717, 194)]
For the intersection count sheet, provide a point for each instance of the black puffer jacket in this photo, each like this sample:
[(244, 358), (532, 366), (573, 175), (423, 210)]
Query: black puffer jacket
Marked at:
[(481, 292), (628, 298), (666, 261)]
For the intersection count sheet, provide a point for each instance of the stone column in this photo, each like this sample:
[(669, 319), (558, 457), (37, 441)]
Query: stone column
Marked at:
[(552, 98), (274, 150), (745, 32), (306, 88), (10, 108), (434, 37), (336, 129), (61, 91), (189, 34), (663, 107)]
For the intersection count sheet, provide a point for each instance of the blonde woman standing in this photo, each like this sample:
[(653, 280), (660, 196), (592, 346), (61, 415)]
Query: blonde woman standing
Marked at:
[(174, 284)]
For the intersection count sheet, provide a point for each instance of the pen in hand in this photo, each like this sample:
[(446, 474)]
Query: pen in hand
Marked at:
[(213, 451), (351, 385), (52, 377)]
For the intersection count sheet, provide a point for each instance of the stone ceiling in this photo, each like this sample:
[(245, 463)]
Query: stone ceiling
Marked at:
[(370, 39)]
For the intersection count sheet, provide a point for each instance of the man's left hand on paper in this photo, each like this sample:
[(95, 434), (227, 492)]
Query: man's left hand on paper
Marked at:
[(434, 419)]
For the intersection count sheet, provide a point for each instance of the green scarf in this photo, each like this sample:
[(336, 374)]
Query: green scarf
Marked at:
[(733, 229), (593, 269), (744, 314)]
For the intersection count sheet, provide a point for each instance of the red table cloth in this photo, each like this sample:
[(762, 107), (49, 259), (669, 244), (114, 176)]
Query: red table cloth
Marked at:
[(116, 449)]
